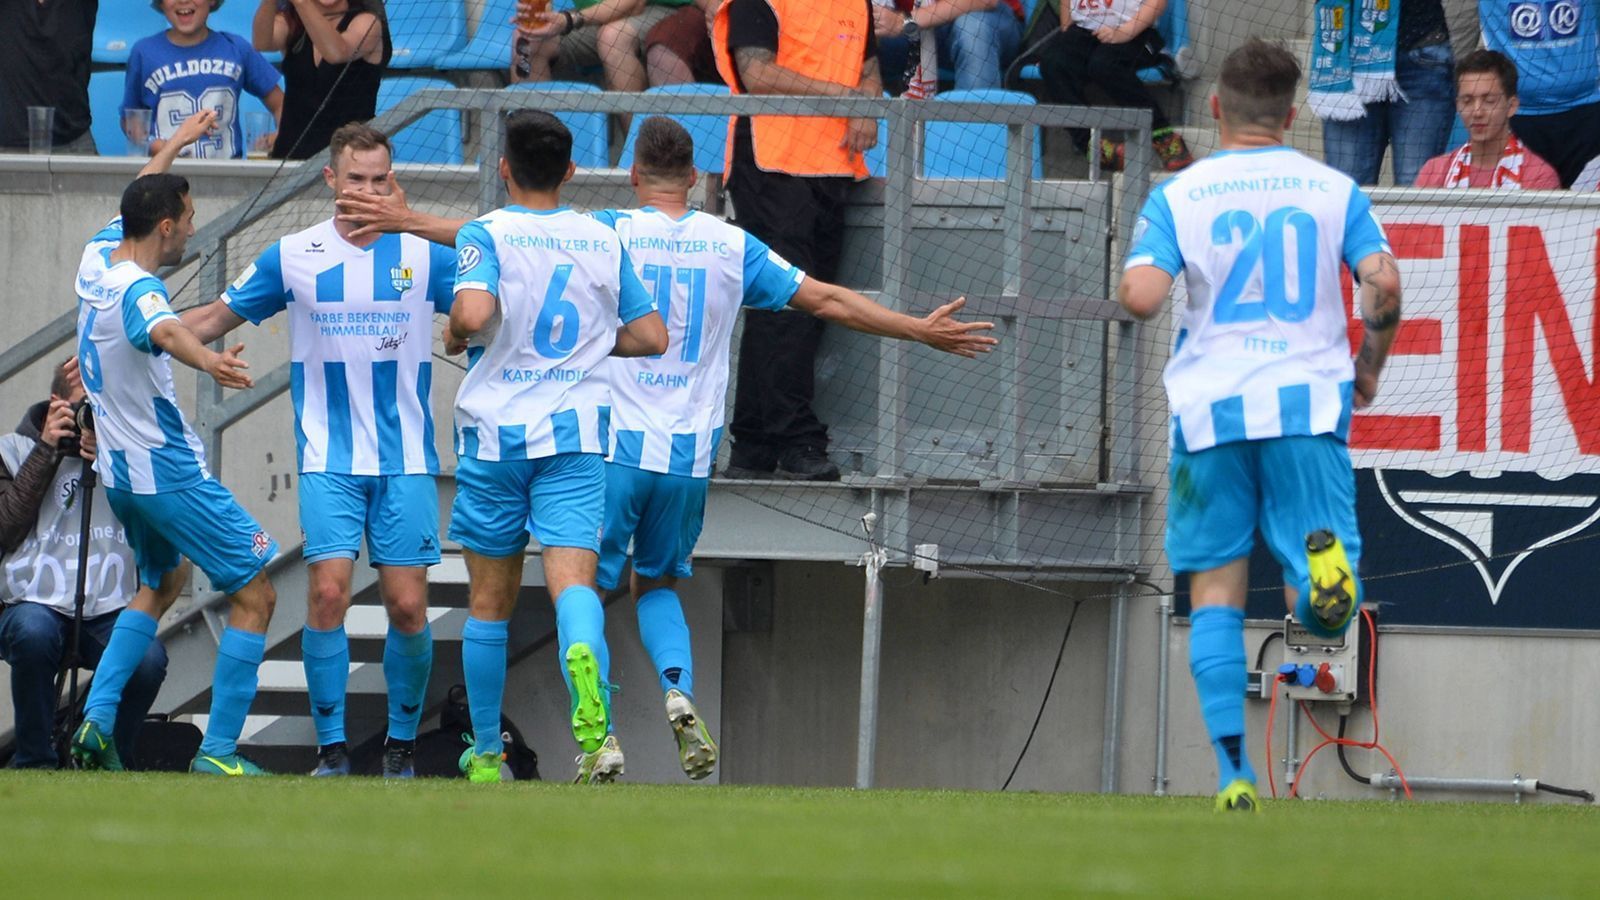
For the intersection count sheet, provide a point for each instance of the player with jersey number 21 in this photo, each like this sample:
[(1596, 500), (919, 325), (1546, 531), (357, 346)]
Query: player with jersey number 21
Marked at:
[(153, 466), (1261, 383)]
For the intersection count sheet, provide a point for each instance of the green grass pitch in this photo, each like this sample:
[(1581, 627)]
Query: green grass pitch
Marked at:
[(84, 834)]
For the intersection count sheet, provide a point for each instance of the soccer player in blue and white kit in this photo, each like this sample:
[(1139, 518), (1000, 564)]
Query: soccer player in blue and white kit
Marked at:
[(153, 466), (540, 290), (361, 339), (1261, 382), (667, 411)]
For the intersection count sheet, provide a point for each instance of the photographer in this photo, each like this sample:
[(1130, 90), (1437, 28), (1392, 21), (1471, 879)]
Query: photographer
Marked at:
[(41, 470)]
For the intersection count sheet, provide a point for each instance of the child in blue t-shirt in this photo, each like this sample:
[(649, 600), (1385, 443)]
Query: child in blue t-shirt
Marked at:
[(189, 67)]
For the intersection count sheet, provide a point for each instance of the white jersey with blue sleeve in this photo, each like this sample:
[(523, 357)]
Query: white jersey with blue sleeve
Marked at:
[(145, 446), (561, 282), (667, 411), (1263, 348), (360, 344)]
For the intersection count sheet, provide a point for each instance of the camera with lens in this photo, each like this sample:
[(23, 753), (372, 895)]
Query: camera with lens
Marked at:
[(82, 420)]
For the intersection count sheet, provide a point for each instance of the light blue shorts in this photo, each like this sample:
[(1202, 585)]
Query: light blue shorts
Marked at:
[(399, 514), (661, 514), (204, 523), (561, 499), (1287, 487)]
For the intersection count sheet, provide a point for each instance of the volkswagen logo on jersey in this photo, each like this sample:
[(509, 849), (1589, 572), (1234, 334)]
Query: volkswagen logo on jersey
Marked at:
[(470, 257), (400, 277)]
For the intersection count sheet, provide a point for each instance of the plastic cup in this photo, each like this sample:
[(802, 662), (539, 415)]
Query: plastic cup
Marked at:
[(136, 125), (259, 128), (528, 13), (41, 128)]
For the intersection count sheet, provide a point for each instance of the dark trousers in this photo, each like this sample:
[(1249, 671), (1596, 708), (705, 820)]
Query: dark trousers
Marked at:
[(803, 220), (33, 640), (1076, 59), (1566, 140)]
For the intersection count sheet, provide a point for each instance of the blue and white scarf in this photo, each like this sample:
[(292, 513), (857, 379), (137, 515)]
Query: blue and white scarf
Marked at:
[(1353, 51)]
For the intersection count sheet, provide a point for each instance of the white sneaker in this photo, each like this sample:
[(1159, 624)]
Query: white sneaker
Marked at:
[(696, 750), (601, 766)]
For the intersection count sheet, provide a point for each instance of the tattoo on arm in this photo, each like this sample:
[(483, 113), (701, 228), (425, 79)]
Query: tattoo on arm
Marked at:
[(1386, 313)]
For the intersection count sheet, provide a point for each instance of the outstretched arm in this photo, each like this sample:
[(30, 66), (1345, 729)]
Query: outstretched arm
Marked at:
[(226, 368), (378, 213), (938, 329), (211, 321), (1379, 277), (193, 129)]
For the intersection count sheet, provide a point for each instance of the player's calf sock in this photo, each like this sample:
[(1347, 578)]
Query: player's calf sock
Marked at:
[(326, 655), (233, 687), (1216, 659), (407, 662), (581, 619), (665, 635), (483, 660), (130, 640)]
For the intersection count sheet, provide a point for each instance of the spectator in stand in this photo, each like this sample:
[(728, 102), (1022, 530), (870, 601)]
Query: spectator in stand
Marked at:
[(678, 48), (325, 44), (1556, 48), (1415, 124), (789, 178), (46, 63), (189, 66), (608, 33), (1486, 95), (41, 471), (976, 38), (1105, 45)]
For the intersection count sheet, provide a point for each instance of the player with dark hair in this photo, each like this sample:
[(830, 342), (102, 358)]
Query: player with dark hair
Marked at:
[(1261, 383), (539, 292), (153, 467), (361, 374)]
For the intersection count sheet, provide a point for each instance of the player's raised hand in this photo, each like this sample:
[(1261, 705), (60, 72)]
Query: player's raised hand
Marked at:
[(942, 331), (195, 127), (227, 369), (374, 213)]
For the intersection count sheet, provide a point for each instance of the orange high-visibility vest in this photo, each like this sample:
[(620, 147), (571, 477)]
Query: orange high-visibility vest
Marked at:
[(822, 39)]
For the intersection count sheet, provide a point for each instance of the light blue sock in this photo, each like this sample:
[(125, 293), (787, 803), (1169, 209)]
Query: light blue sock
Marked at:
[(130, 640), (483, 659), (233, 687), (407, 662), (666, 638), (1216, 658), (326, 655), (581, 619)]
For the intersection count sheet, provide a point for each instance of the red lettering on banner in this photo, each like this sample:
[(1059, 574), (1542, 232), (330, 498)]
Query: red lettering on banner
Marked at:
[(1534, 295), (1472, 342), (1418, 336)]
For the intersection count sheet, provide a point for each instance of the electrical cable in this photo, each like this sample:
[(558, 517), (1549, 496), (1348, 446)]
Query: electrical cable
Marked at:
[(1343, 760), (1261, 651), (1049, 686), (1567, 792), (1327, 740)]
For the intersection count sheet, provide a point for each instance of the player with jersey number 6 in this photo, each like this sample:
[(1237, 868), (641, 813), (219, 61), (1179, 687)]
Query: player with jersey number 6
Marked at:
[(1261, 382)]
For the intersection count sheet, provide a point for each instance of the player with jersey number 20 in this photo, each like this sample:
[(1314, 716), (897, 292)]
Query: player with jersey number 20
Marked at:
[(1261, 382)]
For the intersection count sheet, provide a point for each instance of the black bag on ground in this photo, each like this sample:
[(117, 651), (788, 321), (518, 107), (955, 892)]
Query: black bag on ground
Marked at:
[(438, 752), (166, 746)]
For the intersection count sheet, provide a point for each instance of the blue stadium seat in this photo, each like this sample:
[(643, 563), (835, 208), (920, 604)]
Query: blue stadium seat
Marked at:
[(425, 31), (1173, 26), (710, 133), (970, 149), (119, 26), (490, 46), (105, 113), (236, 17), (436, 137), (591, 142)]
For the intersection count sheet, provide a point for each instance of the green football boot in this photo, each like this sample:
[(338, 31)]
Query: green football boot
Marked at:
[(94, 749), (590, 718), (601, 766), (1238, 796), (1333, 581), (481, 768), (697, 752), (232, 765)]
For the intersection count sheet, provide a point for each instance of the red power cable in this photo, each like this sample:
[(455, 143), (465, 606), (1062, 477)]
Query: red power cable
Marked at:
[(1372, 665)]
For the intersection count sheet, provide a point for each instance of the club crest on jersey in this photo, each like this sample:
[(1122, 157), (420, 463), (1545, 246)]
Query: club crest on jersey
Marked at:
[(400, 277), (470, 257), (259, 542)]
